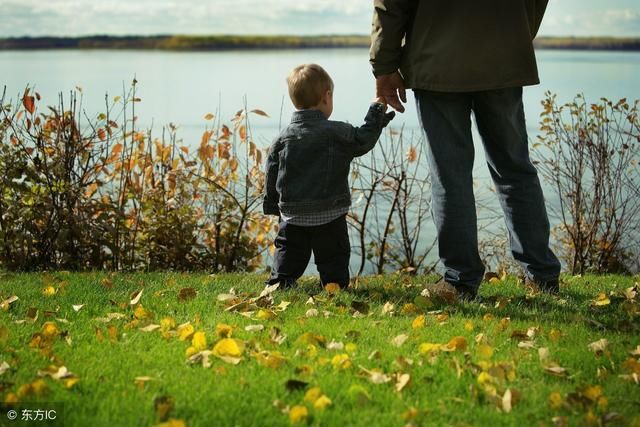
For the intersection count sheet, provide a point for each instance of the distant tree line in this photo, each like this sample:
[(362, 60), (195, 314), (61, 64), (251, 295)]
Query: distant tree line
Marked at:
[(229, 42)]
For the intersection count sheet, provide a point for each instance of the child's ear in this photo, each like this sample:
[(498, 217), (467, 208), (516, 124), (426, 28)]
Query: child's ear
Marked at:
[(328, 95)]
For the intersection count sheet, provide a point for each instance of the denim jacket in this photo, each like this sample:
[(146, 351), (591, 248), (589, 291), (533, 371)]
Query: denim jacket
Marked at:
[(308, 165)]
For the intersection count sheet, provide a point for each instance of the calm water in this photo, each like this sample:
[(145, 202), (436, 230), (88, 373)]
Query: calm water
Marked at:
[(181, 87)]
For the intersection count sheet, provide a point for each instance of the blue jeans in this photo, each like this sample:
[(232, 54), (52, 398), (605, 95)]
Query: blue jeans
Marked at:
[(446, 119)]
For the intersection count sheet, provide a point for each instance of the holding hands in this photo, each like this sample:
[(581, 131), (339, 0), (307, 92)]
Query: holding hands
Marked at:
[(388, 116), (390, 88)]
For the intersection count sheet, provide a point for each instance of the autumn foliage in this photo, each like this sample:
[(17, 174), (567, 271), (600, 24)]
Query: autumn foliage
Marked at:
[(94, 193)]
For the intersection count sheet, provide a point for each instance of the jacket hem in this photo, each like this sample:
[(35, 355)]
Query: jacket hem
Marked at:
[(473, 88), (297, 208)]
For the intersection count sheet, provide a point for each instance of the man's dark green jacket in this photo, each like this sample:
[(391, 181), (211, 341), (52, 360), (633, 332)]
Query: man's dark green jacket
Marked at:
[(457, 45)]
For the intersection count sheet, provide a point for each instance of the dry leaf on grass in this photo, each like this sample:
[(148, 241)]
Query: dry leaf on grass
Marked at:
[(388, 309), (4, 305), (402, 380), (555, 370), (4, 367), (599, 347), (399, 340), (187, 294), (312, 312), (375, 376), (201, 357), (135, 297), (142, 380), (334, 345), (110, 316), (270, 359)]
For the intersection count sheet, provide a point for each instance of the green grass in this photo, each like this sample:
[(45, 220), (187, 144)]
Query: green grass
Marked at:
[(444, 387)]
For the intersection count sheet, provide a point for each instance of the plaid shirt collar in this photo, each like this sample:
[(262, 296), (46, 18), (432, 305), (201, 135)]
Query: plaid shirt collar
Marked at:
[(305, 115)]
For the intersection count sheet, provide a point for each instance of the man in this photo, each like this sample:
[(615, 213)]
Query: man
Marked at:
[(460, 57)]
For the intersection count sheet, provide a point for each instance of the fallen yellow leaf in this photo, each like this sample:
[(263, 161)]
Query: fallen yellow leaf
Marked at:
[(468, 325), (341, 361), (601, 300), (485, 351), (265, 315), (298, 414), (312, 394), (50, 330), (555, 400), (185, 331), (321, 403), (428, 348), (419, 322), (140, 312), (593, 393), (172, 422), (555, 335), (223, 330), (49, 291), (229, 350), (456, 344), (271, 360), (350, 348), (70, 382), (199, 341)]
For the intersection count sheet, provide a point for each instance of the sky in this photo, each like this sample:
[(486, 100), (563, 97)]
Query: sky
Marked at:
[(296, 17)]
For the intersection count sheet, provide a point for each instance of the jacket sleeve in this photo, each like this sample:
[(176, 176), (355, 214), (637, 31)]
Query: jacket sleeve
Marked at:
[(536, 9), (360, 140), (270, 200), (391, 21)]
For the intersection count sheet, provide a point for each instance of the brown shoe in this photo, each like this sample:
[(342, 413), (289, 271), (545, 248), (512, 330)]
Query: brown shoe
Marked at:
[(444, 293), (548, 287)]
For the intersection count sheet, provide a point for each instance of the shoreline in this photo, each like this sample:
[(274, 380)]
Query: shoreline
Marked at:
[(248, 43)]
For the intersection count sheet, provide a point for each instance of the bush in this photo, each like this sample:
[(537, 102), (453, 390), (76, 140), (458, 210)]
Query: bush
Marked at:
[(589, 155), (83, 193)]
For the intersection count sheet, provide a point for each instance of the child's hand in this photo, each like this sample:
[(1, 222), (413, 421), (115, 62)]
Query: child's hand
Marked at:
[(380, 100)]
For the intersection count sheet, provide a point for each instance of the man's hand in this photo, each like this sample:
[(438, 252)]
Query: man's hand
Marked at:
[(391, 88)]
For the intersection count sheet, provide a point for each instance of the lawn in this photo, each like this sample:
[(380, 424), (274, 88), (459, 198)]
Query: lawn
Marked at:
[(204, 350)]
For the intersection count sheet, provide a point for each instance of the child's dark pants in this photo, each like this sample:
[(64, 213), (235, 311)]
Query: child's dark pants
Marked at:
[(330, 246)]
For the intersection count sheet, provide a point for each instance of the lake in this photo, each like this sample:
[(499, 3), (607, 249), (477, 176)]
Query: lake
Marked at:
[(181, 87)]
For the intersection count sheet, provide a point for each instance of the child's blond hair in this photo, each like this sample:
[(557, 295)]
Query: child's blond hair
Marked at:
[(307, 85)]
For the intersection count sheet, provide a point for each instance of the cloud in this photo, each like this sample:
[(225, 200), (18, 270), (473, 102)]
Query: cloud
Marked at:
[(590, 22), (82, 17), (77, 17)]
